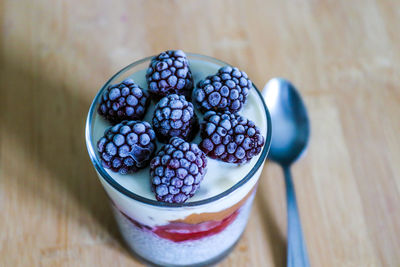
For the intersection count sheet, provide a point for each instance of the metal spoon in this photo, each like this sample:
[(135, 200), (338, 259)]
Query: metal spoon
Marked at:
[(290, 134)]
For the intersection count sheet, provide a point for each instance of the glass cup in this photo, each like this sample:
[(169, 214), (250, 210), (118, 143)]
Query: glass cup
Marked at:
[(211, 227)]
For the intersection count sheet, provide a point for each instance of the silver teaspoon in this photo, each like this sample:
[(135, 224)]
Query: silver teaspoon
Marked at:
[(290, 134)]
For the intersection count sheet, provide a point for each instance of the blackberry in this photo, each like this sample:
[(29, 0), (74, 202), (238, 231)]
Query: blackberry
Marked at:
[(225, 91), (169, 73), (124, 101), (127, 146), (230, 137), (177, 170), (174, 116)]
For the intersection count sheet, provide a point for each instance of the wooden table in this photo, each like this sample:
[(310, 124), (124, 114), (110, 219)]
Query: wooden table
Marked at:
[(344, 56)]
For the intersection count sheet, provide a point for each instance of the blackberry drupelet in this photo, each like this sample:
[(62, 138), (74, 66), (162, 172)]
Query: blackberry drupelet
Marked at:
[(230, 137), (124, 101), (225, 91), (174, 116), (169, 73), (127, 146), (177, 170)]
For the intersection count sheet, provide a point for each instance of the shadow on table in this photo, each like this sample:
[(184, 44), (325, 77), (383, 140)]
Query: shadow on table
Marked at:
[(274, 236), (46, 119)]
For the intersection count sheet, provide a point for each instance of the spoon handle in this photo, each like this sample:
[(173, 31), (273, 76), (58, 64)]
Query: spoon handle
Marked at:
[(296, 249)]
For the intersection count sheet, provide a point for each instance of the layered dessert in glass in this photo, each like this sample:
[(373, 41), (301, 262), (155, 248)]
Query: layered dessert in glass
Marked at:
[(180, 196)]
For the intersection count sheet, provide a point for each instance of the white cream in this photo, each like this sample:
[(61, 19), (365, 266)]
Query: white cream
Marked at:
[(219, 178)]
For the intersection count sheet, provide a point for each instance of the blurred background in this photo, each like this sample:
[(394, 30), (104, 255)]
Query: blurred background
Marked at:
[(344, 57)]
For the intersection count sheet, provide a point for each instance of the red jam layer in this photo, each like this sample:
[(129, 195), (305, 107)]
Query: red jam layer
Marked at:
[(179, 232)]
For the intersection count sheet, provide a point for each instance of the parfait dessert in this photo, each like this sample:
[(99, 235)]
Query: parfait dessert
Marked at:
[(179, 143)]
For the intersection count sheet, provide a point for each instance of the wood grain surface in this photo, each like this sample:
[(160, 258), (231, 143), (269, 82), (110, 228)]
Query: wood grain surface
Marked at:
[(344, 56)]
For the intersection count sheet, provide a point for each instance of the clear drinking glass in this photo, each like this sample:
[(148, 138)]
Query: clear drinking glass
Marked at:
[(208, 233)]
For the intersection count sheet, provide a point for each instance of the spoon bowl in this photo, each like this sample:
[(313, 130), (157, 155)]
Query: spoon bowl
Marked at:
[(290, 124)]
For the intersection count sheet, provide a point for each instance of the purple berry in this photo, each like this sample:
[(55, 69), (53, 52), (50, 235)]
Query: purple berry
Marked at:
[(227, 90), (127, 146), (169, 73), (174, 116), (177, 170), (123, 101), (230, 137)]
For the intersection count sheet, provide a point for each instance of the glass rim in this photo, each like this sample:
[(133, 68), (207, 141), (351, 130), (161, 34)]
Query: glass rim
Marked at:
[(113, 183)]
